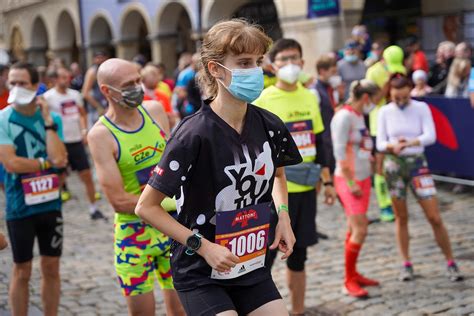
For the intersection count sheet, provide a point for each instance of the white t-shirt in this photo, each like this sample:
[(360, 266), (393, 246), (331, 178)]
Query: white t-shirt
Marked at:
[(412, 122), (67, 105)]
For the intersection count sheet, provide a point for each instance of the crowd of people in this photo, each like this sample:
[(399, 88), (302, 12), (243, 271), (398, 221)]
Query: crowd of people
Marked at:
[(212, 172)]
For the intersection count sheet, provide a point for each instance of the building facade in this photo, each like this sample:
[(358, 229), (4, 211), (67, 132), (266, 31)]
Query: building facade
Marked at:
[(36, 30)]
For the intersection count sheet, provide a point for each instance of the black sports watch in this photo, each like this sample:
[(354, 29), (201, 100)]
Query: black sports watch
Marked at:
[(53, 127), (193, 243)]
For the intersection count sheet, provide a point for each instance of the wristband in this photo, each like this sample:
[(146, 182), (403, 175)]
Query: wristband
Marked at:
[(328, 183), (41, 163), (282, 207), (350, 183), (44, 164)]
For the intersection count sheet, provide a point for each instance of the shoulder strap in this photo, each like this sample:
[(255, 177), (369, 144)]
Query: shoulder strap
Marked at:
[(146, 115)]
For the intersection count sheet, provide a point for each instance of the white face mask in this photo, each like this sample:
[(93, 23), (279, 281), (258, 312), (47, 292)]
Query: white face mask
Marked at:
[(21, 96), (368, 108), (289, 73), (335, 81)]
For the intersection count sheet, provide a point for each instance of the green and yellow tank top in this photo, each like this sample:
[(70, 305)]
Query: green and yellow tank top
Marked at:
[(139, 152)]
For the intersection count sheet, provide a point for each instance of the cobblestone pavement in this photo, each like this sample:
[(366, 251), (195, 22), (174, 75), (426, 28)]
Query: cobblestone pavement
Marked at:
[(89, 285)]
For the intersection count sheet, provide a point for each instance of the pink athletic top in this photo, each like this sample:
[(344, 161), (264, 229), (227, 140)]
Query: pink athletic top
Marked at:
[(352, 143)]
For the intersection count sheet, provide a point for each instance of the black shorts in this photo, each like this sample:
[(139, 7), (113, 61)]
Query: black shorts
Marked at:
[(302, 208), (76, 154), (48, 227), (209, 300)]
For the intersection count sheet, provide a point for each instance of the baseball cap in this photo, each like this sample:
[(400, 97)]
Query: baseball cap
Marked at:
[(393, 57)]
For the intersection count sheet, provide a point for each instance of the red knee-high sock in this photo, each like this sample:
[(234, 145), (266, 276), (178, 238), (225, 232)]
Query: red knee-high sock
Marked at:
[(351, 253)]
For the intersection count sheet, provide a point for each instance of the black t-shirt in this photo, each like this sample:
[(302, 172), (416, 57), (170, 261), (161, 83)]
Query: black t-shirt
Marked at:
[(209, 167)]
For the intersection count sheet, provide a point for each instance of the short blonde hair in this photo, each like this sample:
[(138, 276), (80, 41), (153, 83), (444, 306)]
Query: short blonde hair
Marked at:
[(237, 37), (149, 70)]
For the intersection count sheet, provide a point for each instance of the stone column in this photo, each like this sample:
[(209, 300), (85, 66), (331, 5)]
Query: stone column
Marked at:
[(163, 49), (63, 53), (37, 55), (127, 49), (316, 36)]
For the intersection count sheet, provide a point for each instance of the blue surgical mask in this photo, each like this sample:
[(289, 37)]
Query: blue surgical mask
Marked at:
[(351, 58), (246, 84)]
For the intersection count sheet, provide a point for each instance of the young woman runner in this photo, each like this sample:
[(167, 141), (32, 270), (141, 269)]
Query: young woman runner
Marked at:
[(225, 165), (353, 153), (405, 128)]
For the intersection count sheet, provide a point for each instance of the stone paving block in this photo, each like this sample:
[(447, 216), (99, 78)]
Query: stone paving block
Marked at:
[(411, 313)]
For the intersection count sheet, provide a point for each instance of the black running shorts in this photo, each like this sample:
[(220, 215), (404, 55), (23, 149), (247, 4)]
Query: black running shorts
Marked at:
[(212, 299), (76, 154), (47, 227)]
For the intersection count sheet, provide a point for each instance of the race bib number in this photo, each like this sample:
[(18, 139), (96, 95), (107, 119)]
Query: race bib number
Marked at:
[(70, 109), (303, 135), (366, 144), (245, 233), (40, 187), (423, 183)]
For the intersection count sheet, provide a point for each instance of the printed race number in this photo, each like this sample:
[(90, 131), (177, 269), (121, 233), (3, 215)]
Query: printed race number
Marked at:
[(303, 135), (423, 183), (40, 187), (244, 245), (245, 233)]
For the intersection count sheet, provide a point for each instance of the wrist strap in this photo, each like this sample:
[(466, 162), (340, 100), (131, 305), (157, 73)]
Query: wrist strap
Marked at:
[(44, 164), (41, 163), (282, 207), (328, 183)]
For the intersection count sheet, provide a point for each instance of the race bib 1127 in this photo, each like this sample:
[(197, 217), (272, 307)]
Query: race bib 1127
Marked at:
[(245, 233), (40, 187)]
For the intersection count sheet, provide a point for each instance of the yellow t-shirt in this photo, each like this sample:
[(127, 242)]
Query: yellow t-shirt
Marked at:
[(163, 87), (379, 74), (299, 110)]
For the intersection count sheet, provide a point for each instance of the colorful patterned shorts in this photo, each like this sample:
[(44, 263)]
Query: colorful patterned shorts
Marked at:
[(141, 251), (408, 171)]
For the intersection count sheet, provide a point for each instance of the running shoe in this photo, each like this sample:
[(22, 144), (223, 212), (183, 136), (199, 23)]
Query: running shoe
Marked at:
[(98, 215), (352, 288), (454, 274), (406, 274), (363, 281), (65, 196), (386, 214)]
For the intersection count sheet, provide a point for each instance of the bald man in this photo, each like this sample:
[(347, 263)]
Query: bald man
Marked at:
[(126, 143)]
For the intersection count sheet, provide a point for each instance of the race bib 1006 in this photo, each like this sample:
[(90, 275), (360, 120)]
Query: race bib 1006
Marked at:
[(245, 233), (303, 135), (40, 187)]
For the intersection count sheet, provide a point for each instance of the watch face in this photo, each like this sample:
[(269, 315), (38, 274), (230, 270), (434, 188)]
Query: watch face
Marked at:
[(193, 242)]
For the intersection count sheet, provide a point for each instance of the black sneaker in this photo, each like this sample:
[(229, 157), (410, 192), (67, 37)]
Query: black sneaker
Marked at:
[(407, 274), (454, 274), (98, 215)]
